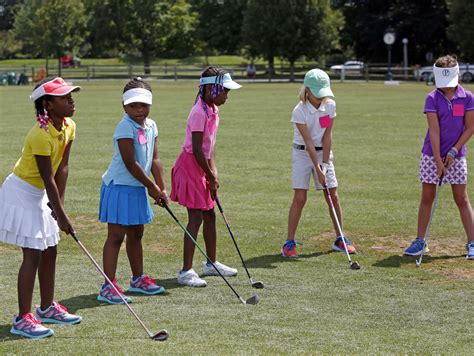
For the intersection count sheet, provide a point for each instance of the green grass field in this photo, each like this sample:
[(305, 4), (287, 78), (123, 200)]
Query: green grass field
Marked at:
[(315, 304)]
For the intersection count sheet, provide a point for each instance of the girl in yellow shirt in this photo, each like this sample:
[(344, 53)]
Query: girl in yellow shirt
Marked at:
[(38, 180)]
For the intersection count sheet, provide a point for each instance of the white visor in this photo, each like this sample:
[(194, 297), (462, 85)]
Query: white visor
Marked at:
[(226, 81), (446, 77), (137, 95)]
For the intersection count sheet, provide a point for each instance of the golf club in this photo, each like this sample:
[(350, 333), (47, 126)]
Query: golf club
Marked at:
[(161, 335), (252, 300), (255, 284), (352, 264), (427, 234)]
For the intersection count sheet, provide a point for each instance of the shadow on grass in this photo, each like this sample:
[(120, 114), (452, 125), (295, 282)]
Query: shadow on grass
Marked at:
[(397, 260), (268, 261), (5, 333), (79, 302)]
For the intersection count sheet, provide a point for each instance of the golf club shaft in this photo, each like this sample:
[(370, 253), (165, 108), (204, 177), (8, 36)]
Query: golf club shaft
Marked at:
[(186, 232), (111, 284), (333, 209), (427, 233), (231, 235)]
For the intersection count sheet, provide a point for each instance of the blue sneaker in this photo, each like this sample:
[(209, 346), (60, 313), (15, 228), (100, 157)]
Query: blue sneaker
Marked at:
[(145, 285), (29, 326), (57, 314), (109, 295), (416, 247), (338, 245), (470, 251), (289, 249)]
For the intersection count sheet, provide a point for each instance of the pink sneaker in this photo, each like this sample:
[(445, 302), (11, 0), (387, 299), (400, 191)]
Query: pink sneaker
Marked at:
[(145, 285), (29, 326), (57, 314)]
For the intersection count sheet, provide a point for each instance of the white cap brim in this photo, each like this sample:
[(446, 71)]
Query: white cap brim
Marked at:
[(137, 95), (446, 77), (231, 85)]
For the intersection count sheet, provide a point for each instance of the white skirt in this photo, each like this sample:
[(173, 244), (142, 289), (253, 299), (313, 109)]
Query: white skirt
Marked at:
[(25, 219)]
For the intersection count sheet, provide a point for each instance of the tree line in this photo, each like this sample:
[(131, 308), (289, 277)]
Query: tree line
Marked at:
[(317, 30)]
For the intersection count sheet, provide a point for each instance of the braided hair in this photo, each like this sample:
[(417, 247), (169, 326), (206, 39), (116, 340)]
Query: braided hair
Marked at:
[(42, 116), (216, 88), (137, 82)]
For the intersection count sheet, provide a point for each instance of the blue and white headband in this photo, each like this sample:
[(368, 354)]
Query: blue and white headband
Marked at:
[(225, 80)]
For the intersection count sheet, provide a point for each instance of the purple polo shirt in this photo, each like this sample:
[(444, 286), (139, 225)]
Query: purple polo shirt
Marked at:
[(450, 117)]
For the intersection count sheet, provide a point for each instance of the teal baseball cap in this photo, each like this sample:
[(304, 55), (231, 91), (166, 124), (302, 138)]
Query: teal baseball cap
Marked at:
[(318, 82)]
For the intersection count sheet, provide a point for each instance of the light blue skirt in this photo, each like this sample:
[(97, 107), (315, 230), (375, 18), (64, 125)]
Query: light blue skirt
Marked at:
[(124, 205)]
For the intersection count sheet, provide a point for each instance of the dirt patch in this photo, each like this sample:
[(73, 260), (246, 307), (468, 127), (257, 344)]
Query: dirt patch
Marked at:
[(160, 248)]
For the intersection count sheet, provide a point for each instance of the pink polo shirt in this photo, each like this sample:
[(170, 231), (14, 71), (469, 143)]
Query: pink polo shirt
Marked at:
[(199, 121)]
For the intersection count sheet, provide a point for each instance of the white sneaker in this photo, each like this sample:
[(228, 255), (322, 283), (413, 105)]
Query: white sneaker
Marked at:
[(470, 251), (191, 279), (209, 270)]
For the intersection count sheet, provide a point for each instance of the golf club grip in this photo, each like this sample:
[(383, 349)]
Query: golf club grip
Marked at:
[(219, 205)]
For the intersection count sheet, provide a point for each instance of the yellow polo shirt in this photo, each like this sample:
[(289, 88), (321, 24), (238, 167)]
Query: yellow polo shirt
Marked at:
[(41, 143)]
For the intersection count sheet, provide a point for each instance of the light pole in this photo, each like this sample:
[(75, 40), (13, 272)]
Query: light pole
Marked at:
[(389, 39), (405, 58)]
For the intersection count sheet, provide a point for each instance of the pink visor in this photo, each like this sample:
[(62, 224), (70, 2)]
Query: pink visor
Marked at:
[(55, 87)]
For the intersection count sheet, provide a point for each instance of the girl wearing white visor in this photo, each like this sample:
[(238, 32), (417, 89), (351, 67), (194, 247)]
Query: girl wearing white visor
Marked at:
[(194, 175), (124, 204), (449, 111)]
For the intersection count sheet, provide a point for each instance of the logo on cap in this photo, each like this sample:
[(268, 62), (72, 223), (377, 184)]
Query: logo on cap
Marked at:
[(446, 72)]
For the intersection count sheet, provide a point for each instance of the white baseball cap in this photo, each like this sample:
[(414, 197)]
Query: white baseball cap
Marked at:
[(446, 77)]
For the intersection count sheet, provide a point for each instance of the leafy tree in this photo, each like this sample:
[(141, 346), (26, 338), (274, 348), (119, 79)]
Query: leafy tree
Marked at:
[(150, 28), (7, 8), (422, 22), (261, 29), (461, 29), (51, 27), (310, 28), (220, 24), (106, 21)]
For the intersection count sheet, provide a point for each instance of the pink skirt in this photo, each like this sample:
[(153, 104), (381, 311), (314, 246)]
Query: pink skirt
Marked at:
[(189, 185)]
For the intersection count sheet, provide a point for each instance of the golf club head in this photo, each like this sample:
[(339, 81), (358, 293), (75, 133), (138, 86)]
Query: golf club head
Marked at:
[(161, 335), (253, 300), (257, 284), (354, 265)]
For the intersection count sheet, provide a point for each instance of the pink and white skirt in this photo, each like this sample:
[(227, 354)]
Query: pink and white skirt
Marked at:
[(25, 219), (456, 174)]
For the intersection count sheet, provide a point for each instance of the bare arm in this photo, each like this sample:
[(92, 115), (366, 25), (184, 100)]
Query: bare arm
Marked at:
[(327, 143), (303, 129), (157, 172), (433, 126), (466, 135), (204, 163), (63, 172), (53, 191), (128, 156)]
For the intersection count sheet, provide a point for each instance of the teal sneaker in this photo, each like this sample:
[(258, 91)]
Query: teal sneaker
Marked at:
[(57, 314), (29, 326), (145, 285), (109, 295)]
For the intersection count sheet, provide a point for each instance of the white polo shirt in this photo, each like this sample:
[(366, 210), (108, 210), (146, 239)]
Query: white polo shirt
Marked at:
[(317, 120)]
